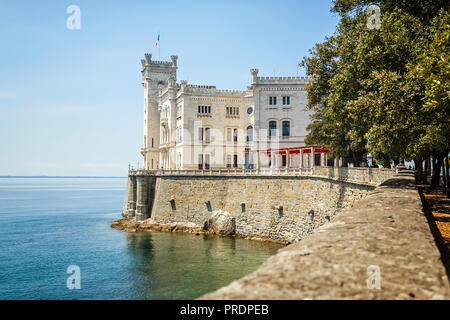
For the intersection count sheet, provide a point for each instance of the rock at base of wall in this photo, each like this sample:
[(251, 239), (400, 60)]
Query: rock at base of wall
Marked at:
[(221, 222)]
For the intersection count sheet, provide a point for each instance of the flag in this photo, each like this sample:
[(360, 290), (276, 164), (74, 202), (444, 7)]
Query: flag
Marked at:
[(157, 40)]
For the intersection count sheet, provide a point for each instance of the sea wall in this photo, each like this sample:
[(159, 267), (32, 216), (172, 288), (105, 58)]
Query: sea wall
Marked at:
[(381, 248), (373, 176), (280, 208)]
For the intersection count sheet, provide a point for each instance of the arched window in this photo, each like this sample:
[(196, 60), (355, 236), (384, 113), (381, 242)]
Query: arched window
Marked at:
[(249, 133), (272, 128), (286, 128)]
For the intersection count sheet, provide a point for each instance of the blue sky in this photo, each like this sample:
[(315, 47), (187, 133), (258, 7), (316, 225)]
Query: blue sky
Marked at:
[(71, 102)]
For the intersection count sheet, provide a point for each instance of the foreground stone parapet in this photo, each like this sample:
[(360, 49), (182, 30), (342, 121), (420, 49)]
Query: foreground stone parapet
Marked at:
[(386, 231)]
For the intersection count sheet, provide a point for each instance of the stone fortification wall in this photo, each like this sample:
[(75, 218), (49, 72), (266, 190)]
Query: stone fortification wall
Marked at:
[(372, 176), (281, 208), (381, 248)]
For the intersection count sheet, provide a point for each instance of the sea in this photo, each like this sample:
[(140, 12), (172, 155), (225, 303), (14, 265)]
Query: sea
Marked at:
[(56, 243)]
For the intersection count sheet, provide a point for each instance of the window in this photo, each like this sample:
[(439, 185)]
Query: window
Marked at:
[(248, 159), (272, 128), (200, 161), (235, 135), (273, 100), (235, 161), (249, 133), (286, 100), (232, 111), (204, 109), (229, 134), (153, 143), (207, 134), (286, 128), (229, 157), (317, 160), (203, 161), (207, 161), (204, 134), (283, 161)]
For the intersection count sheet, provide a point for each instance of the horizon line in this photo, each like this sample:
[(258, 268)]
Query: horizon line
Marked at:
[(46, 176)]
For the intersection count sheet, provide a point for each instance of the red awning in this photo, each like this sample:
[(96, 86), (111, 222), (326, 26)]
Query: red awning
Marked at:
[(296, 150)]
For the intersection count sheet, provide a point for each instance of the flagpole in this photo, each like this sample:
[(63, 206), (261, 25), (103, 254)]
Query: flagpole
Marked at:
[(159, 46)]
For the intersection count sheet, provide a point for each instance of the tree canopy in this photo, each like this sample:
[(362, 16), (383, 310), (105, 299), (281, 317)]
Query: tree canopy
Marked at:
[(383, 91)]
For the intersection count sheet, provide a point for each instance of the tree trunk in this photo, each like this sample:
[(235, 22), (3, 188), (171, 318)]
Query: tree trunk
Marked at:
[(444, 178), (446, 174), (355, 161), (436, 171), (425, 171), (418, 170), (433, 172)]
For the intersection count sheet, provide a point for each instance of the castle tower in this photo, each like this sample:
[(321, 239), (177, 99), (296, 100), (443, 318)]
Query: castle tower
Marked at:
[(154, 75)]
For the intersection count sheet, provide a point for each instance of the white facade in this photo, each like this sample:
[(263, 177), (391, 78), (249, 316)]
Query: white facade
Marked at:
[(201, 127)]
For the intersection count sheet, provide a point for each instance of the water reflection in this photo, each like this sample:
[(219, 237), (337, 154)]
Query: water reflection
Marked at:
[(185, 266)]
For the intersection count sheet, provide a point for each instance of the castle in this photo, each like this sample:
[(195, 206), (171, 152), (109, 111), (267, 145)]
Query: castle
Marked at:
[(189, 126)]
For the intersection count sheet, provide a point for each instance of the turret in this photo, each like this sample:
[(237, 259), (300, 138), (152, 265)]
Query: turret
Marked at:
[(254, 73), (154, 75)]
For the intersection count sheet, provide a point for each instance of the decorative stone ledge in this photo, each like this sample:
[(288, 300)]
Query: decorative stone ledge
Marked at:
[(365, 176), (387, 229)]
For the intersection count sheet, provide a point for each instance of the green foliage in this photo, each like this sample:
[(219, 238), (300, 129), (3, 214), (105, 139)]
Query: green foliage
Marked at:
[(383, 91)]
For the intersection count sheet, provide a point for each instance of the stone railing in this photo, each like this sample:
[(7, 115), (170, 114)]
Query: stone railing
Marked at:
[(371, 176), (224, 172)]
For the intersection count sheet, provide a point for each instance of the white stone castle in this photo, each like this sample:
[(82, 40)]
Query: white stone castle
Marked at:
[(189, 126)]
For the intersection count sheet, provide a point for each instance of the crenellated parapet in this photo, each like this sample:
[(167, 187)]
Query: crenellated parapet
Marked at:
[(212, 90), (281, 80), (150, 67)]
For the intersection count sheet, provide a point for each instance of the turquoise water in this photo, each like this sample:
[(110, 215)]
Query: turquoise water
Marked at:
[(48, 224)]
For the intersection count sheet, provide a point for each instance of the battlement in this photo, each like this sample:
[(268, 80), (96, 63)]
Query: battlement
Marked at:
[(158, 62), (148, 62), (199, 86), (282, 80), (211, 90)]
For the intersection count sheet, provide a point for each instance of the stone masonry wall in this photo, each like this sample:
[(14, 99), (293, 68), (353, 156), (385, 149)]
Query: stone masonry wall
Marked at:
[(275, 207), (385, 235), (373, 176)]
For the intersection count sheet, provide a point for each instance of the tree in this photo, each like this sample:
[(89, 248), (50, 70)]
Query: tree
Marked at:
[(366, 93), (433, 69)]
